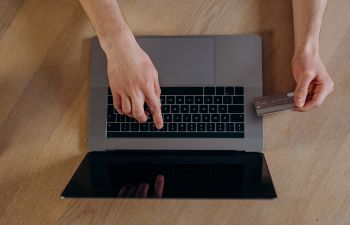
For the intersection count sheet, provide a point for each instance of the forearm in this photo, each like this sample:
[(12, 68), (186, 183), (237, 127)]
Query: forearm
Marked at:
[(108, 22), (307, 15)]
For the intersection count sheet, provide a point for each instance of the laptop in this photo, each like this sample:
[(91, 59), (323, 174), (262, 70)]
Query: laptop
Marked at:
[(212, 141)]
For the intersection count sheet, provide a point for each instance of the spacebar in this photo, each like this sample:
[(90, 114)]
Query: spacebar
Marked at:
[(177, 134), (182, 90)]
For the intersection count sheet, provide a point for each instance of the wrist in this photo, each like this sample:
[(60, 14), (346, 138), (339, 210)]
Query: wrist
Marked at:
[(309, 46), (117, 37)]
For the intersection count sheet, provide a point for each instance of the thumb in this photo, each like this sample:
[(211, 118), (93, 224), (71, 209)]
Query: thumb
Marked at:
[(301, 92)]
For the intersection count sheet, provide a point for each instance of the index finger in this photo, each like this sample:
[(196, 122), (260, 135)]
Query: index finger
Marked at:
[(154, 106), (159, 186)]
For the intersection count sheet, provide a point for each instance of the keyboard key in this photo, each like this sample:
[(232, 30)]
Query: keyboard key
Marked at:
[(220, 90), (184, 109), (120, 118), (194, 108), (196, 118), (215, 118), (208, 99), (152, 127), (220, 127), (145, 108), (203, 109), (198, 100), (237, 100), (110, 100), (175, 109), (209, 90), (109, 91), (205, 117), (238, 90), (111, 117), (222, 108), (144, 127), (110, 109), (227, 99), (225, 118), (191, 127), (162, 99), (217, 99), (189, 100), (172, 126), (165, 108), (210, 126), (135, 126), (181, 126), (150, 118), (230, 91), (213, 109), (165, 127), (239, 126), (230, 127), (129, 119), (180, 100), (200, 126), (236, 117), (113, 126), (170, 100), (235, 109), (124, 127), (167, 118), (177, 117), (186, 117)]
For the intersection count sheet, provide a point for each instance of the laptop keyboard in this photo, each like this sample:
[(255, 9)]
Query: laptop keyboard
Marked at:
[(211, 112)]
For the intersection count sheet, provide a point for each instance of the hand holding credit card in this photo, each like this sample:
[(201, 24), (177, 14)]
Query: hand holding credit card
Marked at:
[(274, 103)]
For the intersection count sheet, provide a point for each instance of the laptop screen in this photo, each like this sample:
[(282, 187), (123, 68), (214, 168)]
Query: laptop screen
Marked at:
[(172, 174)]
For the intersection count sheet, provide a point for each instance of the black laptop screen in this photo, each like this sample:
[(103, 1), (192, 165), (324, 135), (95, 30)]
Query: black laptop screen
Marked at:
[(172, 174)]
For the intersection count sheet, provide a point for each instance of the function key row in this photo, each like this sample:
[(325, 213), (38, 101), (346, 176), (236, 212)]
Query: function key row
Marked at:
[(192, 109), (199, 91)]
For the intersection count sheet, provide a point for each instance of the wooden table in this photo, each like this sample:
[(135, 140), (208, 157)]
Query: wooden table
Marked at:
[(44, 76)]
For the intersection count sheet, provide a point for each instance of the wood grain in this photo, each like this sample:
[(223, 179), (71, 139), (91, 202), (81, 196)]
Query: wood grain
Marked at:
[(44, 76)]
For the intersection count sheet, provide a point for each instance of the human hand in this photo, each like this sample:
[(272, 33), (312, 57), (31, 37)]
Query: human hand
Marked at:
[(143, 188), (313, 82), (133, 80)]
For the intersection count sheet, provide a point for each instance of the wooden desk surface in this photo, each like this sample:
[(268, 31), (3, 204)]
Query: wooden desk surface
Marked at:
[(44, 75)]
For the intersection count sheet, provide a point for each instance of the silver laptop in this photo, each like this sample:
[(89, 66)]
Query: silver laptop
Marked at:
[(211, 133)]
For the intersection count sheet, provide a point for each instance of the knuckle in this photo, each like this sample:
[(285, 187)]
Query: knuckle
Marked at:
[(138, 114), (300, 95), (126, 109), (129, 85), (155, 73), (307, 73), (145, 82)]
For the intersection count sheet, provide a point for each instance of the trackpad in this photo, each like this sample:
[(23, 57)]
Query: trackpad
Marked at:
[(181, 61)]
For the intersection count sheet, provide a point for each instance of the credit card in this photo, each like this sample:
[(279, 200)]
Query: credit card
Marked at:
[(274, 103)]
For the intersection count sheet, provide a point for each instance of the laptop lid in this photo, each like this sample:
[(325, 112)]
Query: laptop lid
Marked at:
[(171, 174)]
